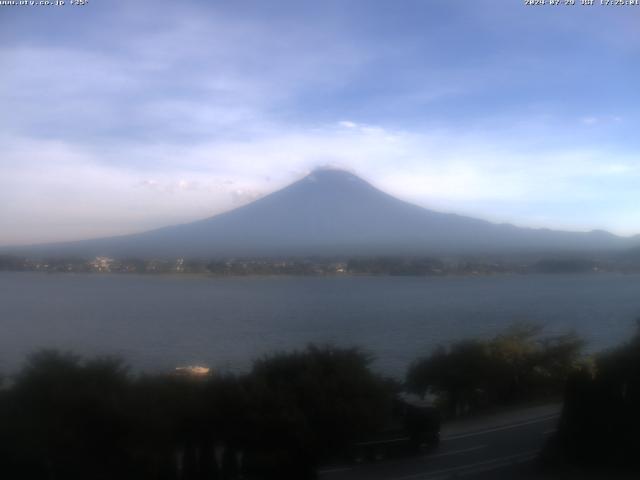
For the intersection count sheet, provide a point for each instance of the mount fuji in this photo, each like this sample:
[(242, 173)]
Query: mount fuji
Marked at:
[(333, 213)]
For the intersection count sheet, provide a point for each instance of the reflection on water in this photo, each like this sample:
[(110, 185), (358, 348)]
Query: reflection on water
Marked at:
[(161, 322)]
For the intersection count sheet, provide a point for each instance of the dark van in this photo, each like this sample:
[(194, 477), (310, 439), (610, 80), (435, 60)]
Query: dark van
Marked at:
[(414, 429)]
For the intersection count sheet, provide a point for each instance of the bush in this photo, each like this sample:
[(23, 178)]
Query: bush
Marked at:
[(601, 416), (69, 418), (515, 366), (66, 417), (331, 391)]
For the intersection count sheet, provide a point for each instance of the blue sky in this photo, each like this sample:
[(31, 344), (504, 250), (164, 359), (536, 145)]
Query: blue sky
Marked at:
[(122, 116)]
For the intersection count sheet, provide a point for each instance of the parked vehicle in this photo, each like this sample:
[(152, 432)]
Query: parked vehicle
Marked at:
[(414, 429)]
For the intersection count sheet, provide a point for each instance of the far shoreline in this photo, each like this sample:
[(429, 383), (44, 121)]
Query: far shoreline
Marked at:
[(341, 275)]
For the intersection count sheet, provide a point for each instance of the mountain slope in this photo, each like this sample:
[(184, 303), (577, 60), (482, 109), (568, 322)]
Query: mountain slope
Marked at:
[(333, 212)]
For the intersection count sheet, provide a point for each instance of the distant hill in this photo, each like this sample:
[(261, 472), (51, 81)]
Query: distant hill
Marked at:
[(631, 256), (333, 212)]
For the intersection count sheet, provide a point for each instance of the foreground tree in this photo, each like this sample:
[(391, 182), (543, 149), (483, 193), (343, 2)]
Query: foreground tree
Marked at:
[(66, 418), (69, 418), (601, 415), (330, 395), (515, 366)]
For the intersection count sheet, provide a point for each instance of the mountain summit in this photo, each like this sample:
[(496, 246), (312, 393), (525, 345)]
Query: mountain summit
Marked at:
[(334, 212)]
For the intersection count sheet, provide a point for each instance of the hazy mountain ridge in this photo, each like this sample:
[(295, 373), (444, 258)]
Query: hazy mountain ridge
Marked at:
[(333, 212)]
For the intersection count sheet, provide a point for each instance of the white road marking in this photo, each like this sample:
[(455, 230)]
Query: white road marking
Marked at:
[(426, 457), (334, 470), (455, 452), (504, 427), (479, 466), (473, 467)]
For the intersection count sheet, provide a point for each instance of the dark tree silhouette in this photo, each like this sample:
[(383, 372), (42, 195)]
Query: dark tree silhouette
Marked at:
[(601, 416), (515, 366), (330, 391), (69, 418)]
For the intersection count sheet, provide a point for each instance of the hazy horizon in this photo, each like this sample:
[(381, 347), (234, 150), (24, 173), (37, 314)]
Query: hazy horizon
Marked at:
[(306, 175), (117, 123)]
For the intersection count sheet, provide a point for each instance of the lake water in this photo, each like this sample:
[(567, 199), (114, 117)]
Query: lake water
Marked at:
[(157, 323)]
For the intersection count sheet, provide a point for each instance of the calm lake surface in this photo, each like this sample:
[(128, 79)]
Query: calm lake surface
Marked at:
[(157, 323)]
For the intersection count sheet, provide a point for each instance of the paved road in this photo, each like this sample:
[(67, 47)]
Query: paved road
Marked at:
[(485, 448)]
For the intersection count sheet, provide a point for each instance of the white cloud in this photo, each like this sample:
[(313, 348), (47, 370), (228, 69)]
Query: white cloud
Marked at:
[(203, 74), (347, 124), (53, 190), (589, 120), (204, 109)]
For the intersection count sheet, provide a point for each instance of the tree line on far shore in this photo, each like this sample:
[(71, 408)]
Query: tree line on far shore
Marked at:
[(314, 266), (65, 417)]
